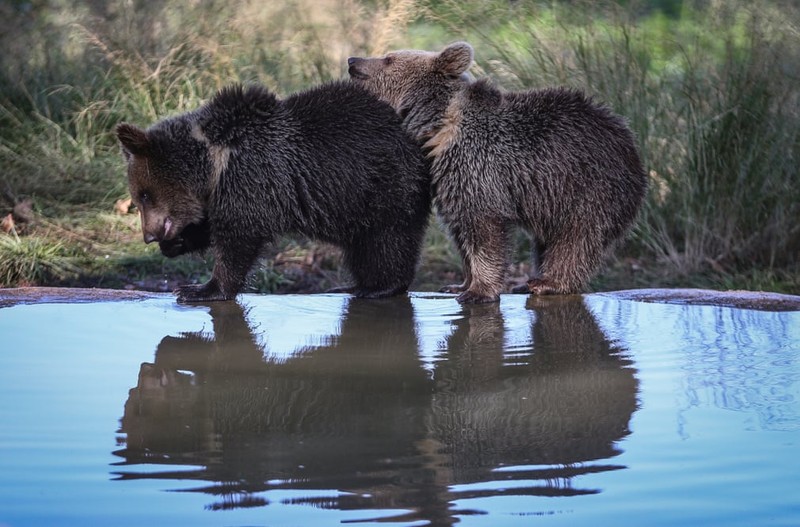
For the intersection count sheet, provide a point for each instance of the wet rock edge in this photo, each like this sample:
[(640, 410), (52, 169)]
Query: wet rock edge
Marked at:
[(756, 300), (61, 295)]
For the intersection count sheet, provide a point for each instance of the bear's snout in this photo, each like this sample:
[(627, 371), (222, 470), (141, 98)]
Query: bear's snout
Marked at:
[(355, 72), (157, 231)]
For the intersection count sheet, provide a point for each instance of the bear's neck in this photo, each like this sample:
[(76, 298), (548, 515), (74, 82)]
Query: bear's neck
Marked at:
[(424, 117)]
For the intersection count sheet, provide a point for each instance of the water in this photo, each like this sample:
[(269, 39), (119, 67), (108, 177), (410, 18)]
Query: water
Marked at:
[(321, 410)]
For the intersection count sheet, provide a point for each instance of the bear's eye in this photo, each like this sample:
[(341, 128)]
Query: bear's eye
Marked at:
[(145, 197), (388, 60)]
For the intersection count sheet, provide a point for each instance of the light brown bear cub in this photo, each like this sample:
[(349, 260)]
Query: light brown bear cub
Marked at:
[(552, 161)]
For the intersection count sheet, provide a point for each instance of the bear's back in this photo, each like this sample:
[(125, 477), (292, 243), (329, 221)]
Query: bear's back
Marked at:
[(569, 112), (542, 118), (541, 154), (559, 130), (345, 158), (325, 110)]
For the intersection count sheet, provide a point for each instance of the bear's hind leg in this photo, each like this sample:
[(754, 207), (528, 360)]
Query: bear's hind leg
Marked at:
[(487, 279), (382, 265), (537, 253), (485, 249), (568, 265)]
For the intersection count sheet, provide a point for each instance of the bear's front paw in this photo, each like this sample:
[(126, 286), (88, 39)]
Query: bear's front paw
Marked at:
[(453, 288), (472, 297), (541, 286), (208, 292), (348, 289), (367, 292)]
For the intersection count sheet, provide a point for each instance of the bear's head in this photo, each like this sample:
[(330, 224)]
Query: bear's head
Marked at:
[(165, 170), (402, 78)]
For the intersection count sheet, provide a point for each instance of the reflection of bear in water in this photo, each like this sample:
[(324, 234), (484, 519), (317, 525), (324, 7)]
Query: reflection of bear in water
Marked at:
[(362, 415), (568, 400), (337, 409)]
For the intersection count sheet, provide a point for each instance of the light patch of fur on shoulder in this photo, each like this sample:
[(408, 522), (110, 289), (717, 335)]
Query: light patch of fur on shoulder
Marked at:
[(219, 155), (446, 135)]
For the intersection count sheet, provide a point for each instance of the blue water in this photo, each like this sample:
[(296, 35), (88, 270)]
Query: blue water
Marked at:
[(319, 410)]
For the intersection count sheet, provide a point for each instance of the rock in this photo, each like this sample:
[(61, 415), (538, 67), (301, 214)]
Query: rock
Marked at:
[(758, 300)]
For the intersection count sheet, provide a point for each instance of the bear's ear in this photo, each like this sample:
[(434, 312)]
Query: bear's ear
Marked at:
[(455, 59), (133, 140)]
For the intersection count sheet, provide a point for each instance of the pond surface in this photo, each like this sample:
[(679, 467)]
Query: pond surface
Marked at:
[(321, 410)]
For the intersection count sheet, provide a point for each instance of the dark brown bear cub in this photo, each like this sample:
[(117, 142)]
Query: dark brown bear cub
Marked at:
[(332, 163), (552, 161)]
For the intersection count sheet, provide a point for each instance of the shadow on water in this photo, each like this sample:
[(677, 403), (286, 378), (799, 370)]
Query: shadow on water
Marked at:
[(362, 414)]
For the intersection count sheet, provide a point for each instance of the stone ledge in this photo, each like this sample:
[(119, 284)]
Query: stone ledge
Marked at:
[(757, 300), (54, 295)]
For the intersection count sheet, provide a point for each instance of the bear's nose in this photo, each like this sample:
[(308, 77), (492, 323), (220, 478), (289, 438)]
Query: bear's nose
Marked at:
[(352, 60)]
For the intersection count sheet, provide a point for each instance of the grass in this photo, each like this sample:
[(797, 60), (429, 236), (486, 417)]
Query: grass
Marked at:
[(712, 94), (33, 260)]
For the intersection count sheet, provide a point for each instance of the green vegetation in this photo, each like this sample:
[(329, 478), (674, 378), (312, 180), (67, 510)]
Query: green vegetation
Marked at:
[(712, 90), (32, 259)]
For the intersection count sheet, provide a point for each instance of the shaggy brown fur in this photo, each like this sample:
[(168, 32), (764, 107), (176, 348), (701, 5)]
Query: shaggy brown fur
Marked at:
[(332, 163), (552, 161)]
